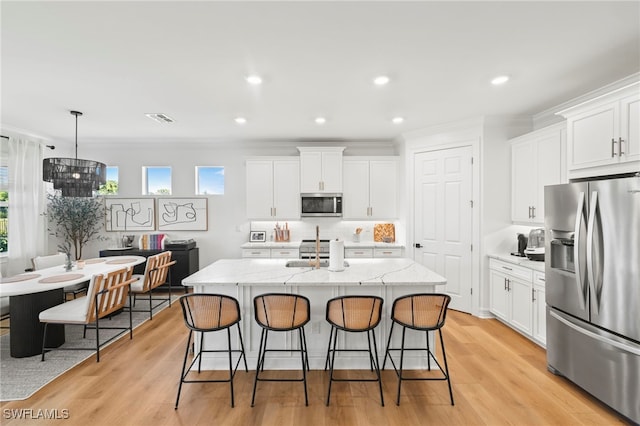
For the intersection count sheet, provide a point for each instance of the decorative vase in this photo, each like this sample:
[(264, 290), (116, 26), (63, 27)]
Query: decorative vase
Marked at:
[(68, 265)]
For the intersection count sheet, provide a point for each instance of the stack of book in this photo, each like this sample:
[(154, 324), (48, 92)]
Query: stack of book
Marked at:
[(152, 241)]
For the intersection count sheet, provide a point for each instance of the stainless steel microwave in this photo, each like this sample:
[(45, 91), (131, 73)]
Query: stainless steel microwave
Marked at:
[(321, 205)]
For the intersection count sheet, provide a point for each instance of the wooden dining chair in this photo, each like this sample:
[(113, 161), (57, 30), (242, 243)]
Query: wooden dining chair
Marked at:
[(42, 262), (157, 272), (106, 295)]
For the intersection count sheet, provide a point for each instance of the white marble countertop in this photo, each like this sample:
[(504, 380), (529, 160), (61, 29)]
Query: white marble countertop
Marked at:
[(520, 261), (371, 244), (396, 271)]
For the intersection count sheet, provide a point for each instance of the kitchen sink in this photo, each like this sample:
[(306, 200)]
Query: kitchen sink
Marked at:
[(302, 263)]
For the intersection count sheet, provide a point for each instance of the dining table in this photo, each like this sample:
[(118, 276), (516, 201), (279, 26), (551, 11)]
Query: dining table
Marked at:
[(33, 292)]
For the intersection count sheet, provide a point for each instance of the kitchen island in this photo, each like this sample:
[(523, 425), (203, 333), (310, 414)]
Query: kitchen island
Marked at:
[(244, 279)]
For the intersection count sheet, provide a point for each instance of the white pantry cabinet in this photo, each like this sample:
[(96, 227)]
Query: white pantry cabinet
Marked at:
[(273, 188), (603, 134), (537, 159), (321, 169), (370, 188)]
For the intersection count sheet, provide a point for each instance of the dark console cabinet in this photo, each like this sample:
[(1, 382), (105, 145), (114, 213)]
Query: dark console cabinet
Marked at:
[(187, 261)]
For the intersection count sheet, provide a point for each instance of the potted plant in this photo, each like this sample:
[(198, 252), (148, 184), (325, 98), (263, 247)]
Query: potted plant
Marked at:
[(77, 220)]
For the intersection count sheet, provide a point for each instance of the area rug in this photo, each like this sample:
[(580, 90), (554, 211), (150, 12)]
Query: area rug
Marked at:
[(22, 377)]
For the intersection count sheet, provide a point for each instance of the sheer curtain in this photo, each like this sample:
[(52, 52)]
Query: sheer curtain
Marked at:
[(27, 230)]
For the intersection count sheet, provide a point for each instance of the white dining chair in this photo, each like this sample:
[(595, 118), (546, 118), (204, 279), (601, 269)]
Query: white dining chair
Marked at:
[(157, 272), (42, 262), (107, 294)]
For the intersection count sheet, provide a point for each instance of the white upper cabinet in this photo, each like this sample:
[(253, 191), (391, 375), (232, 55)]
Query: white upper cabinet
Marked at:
[(603, 134), (273, 188), (370, 188), (321, 170), (537, 159)]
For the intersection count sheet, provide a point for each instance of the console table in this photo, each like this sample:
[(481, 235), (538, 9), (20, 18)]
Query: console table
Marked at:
[(187, 262)]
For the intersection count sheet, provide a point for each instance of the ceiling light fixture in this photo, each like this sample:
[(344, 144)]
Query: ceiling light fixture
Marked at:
[(381, 80), (501, 79), (74, 177), (240, 120), (320, 120), (397, 120), (254, 80), (160, 117)]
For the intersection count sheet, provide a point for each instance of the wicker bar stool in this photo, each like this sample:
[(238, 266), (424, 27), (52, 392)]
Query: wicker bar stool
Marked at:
[(421, 312), (281, 312), (205, 313), (356, 314)]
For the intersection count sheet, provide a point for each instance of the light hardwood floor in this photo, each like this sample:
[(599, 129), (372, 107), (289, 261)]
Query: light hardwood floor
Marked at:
[(499, 378)]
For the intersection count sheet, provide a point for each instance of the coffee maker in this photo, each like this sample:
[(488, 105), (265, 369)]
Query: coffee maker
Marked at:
[(535, 245)]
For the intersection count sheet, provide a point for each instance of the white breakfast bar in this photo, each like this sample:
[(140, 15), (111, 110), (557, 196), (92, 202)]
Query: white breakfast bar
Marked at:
[(244, 279)]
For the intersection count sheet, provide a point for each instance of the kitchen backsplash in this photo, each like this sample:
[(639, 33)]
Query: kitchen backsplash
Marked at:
[(330, 228)]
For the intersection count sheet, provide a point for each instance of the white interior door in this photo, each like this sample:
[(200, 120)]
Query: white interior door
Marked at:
[(443, 219)]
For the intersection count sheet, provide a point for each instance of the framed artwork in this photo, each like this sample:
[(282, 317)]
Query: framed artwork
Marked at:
[(258, 236), (183, 214), (130, 214)]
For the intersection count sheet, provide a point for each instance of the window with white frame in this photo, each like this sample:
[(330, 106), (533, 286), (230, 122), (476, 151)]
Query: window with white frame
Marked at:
[(4, 200), (209, 180), (156, 180), (111, 186)]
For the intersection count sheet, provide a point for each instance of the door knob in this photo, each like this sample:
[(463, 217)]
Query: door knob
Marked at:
[(417, 245)]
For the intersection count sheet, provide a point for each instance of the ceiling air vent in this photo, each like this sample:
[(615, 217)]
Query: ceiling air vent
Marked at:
[(160, 118)]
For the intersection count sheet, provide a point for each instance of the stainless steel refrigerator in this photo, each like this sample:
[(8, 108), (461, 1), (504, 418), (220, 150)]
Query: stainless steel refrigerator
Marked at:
[(592, 275)]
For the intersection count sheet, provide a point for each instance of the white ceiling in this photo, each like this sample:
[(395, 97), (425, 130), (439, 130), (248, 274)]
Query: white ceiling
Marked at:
[(116, 61)]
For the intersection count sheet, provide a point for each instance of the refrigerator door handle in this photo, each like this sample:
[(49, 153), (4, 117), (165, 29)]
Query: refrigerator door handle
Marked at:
[(596, 336), (590, 246), (580, 213)]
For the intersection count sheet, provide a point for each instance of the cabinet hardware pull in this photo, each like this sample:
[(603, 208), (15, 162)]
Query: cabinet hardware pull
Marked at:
[(508, 269), (533, 212), (620, 140), (613, 148), (533, 295), (508, 284), (505, 284)]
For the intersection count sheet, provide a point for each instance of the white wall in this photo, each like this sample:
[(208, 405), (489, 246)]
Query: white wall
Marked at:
[(228, 224)]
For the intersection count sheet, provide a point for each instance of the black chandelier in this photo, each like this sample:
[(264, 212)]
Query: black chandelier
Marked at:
[(74, 177)]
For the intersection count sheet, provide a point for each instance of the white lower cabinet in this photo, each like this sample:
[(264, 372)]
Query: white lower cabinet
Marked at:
[(517, 298), (539, 331), (387, 252), (274, 253), (358, 252), (370, 252)]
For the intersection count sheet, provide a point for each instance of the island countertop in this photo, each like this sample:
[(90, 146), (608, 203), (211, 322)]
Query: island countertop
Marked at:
[(238, 272)]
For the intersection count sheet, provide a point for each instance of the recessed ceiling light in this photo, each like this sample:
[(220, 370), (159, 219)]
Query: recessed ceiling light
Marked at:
[(501, 79), (320, 120), (397, 120), (240, 120), (254, 80), (381, 80)]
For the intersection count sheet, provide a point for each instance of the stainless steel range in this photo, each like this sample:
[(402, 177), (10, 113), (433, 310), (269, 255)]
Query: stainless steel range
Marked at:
[(308, 249)]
